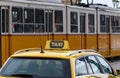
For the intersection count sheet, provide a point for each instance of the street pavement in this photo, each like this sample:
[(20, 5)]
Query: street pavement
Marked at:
[(114, 62)]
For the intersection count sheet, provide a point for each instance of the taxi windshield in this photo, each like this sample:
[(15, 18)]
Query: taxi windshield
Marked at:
[(36, 68)]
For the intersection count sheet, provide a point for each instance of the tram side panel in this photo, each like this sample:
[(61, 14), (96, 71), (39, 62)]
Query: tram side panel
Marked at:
[(108, 32), (72, 25), (115, 45), (5, 47), (31, 41), (103, 30), (27, 41), (74, 41), (104, 45), (81, 28), (91, 30), (115, 34), (44, 19), (91, 41)]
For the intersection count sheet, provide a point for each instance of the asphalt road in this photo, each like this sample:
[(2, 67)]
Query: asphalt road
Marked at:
[(115, 63)]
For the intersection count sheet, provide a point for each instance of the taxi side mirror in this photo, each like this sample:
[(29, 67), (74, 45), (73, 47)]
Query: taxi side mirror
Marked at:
[(117, 71)]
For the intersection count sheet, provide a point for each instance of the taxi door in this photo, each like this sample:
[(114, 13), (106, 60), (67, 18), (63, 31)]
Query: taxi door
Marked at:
[(93, 66)]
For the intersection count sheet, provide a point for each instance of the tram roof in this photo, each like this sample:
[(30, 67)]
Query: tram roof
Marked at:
[(104, 7), (59, 3), (80, 7), (50, 2)]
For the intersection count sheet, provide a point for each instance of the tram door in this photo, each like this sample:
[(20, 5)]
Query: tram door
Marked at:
[(49, 23), (4, 23), (104, 44)]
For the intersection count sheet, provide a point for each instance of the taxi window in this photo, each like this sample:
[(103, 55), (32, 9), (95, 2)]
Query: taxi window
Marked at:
[(80, 67), (106, 67), (94, 64), (89, 68), (41, 68)]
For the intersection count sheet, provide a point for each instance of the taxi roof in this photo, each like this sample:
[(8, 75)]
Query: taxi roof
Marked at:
[(37, 53), (60, 54), (54, 49)]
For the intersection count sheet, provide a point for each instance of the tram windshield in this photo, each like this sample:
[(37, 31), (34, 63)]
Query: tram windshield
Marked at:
[(36, 68)]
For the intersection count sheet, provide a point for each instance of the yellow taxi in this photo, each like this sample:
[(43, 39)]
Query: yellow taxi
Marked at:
[(57, 61)]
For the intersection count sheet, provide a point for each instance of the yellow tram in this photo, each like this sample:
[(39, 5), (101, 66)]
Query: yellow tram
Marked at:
[(29, 24)]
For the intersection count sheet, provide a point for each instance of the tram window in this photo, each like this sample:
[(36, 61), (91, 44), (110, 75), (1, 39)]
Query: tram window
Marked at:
[(115, 22), (5, 19), (39, 28), (107, 18), (28, 28), (39, 20), (28, 15), (39, 16), (104, 23), (74, 22), (58, 21), (82, 22), (49, 20), (17, 14), (91, 23), (17, 28)]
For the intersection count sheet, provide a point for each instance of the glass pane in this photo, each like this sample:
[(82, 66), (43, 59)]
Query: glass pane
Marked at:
[(104, 23), (58, 28), (74, 22), (39, 16), (107, 23), (58, 21), (94, 64), (107, 68), (28, 28), (5, 19), (28, 15), (17, 15), (49, 20), (74, 28), (115, 23), (17, 28), (38, 68), (74, 17), (80, 67), (89, 68), (82, 22), (39, 28), (91, 24)]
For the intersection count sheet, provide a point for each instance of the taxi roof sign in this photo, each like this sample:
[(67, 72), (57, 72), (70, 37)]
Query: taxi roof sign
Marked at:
[(57, 44)]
